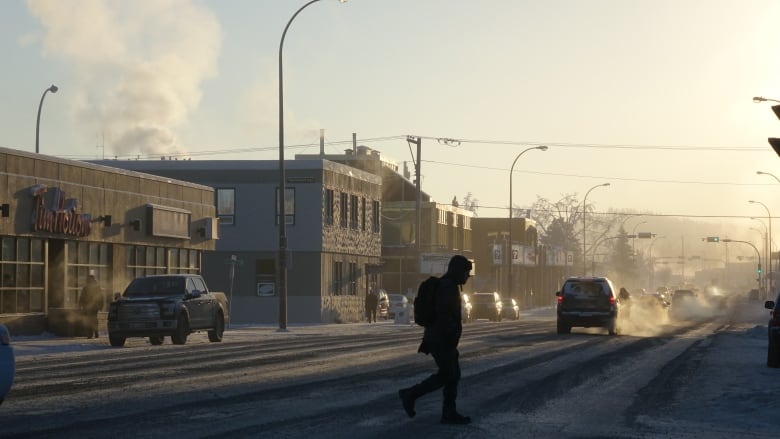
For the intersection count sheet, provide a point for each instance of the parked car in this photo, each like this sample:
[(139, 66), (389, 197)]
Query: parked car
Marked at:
[(7, 362), (396, 303), (587, 302), (383, 304), (773, 347), (486, 306), (465, 310), (510, 309)]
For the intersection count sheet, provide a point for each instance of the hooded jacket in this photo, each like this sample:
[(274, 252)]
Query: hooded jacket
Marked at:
[(444, 333)]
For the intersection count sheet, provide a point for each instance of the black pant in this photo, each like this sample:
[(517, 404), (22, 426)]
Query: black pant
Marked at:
[(447, 376), (371, 314)]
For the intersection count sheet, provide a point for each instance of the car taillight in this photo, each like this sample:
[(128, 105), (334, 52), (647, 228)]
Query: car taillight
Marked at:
[(560, 299), (611, 300)]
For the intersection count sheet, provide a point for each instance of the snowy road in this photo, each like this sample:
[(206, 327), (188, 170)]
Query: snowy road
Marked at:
[(698, 379)]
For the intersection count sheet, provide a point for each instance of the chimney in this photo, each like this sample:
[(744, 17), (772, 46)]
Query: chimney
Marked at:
[(354, 143), (322, 142)]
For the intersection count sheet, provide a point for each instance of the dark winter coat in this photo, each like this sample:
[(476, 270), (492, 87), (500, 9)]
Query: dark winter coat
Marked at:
[(444, 333), (91, 299)]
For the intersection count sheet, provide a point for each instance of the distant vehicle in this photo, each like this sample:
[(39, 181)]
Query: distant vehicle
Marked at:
[(396, 303), (7, 362), (486, 306), (773, 347), (383, 304), (510, 309), (683, 304), (587, 302), (174, 305), (465, 310)]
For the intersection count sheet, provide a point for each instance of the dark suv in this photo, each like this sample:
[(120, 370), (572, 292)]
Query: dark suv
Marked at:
[(587, 302), (486, 306), (773, 348)]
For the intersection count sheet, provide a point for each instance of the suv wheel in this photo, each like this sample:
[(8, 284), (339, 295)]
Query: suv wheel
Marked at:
[(612, 327), (115, 341)]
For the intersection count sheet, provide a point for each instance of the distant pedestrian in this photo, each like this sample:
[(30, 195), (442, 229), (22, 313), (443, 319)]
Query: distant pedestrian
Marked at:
[(372, 301), (440, 339), (90, 302)]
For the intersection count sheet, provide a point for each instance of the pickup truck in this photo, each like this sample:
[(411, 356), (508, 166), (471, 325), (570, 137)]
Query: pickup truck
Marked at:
[(174, 305)]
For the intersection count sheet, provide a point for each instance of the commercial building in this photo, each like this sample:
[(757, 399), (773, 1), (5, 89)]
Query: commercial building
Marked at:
[(333, 230), (62, 220)]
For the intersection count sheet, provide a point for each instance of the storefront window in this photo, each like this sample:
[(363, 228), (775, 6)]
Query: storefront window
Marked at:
[(21, 276), (85, 258)]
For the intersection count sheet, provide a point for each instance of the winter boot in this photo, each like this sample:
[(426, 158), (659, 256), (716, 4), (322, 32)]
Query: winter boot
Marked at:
[(407, 400), (449, 415)]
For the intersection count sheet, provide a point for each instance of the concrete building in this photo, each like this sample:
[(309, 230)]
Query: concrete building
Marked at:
[(333, 231), (62, 220)]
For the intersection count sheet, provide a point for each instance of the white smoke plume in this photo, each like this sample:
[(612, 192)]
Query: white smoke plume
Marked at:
[(139, 66)]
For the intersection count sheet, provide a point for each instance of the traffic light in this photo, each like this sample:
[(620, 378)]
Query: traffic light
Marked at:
[(713, 239), (758, 270)]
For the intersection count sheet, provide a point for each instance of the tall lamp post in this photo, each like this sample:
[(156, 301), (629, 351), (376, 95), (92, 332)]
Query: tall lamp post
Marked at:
[(52, 89), (281, 276), (584, 252), (652, 262), (509, 251), (769, 262)]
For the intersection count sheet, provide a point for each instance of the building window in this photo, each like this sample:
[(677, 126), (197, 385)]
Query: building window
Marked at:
[(375, 218), (289, 205), (338, 268), (343, 212), (363, 214), (226, 206), (85, 258), (329, 200), (353, 211), (21, 276), (184, 260), (353, 274)]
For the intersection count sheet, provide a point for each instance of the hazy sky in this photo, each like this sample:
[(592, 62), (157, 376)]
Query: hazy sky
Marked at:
[(652, 96)]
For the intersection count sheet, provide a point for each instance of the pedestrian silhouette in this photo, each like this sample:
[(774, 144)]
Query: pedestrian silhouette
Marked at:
[(90, 302), (440, 339), (372, 301)]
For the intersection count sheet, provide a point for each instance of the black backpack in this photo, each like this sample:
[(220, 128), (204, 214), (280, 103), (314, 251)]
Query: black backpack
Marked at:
[(425, 302)]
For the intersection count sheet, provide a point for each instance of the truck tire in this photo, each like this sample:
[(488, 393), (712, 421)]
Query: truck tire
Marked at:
[(215, 335), (182, 330), (156, 340), (115, 341)]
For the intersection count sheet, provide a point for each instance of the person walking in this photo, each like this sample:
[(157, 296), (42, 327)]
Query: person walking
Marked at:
[(90, 302), (372, 301), (440, 339)]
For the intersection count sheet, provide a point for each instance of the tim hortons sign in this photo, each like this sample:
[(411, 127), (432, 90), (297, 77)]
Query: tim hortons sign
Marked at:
[(61, 216)]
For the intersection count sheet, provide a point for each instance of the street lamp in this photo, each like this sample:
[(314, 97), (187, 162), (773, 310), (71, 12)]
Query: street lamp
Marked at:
[(281, 276), (765, 238), (763, 99), (509, 253), (52, 89), (652, 262), (584, 253), (769, 262)]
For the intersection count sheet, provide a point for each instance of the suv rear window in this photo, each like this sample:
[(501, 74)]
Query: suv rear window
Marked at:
[(584, 288)]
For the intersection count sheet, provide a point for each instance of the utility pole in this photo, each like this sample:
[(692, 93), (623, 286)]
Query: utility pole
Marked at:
[(418, 184)]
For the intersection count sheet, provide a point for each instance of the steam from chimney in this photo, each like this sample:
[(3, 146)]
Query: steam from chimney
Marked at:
[(138, 66)]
